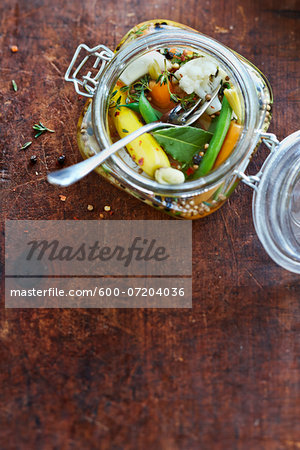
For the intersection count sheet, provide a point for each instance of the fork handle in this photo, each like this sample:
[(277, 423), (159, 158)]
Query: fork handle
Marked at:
[(69, 175)]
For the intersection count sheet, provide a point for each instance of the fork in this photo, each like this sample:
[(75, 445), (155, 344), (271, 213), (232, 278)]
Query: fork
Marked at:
[(69, 175)]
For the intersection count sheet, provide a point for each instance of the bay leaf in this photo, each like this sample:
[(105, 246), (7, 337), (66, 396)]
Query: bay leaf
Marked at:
[(183, 142)]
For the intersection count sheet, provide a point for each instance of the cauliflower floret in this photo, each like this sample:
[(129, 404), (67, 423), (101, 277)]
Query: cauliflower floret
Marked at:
[(139, 67), (199, 76)]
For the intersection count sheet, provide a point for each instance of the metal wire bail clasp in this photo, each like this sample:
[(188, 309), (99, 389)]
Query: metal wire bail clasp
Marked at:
[(271, 141), (88, 82)]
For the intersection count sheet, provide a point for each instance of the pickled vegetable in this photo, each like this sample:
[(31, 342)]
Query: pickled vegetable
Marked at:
[(145, 150), (216, 141), (153, 85)]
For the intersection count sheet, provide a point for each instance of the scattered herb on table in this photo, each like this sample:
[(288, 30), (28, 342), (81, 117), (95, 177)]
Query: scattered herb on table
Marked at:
[(40, 128), (14, 85), (26, 145)]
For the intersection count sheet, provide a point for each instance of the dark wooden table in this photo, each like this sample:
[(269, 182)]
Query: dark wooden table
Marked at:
[(224, 375)]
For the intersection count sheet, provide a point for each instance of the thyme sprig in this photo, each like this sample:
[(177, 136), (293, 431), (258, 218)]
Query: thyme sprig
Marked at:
[(135, 89), (27, 144), (164, 78), (167, 76), (188, 101), (115, 104), (40, 128), (14, 85)]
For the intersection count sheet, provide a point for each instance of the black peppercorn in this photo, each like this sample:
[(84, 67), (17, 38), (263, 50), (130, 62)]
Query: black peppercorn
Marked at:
[(224, 86), (61, 159), (169, 55), (168, 201), (197, 159), (33, 159)]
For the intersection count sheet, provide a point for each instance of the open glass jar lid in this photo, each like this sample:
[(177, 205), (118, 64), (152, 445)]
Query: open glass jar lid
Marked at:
[(276, 203)]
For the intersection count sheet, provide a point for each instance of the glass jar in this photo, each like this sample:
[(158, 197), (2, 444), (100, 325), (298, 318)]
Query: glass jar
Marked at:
[(192, 199)]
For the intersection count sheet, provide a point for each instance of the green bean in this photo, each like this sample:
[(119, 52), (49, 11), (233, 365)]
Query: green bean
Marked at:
[(216, 141), (134, 106), (146, 109), (158, 113)]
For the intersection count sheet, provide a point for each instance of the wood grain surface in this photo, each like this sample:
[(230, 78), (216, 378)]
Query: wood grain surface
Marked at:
[(224, 375)]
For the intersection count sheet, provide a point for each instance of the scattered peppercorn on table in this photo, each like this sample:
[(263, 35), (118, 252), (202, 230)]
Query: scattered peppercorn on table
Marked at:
[(222, 375)]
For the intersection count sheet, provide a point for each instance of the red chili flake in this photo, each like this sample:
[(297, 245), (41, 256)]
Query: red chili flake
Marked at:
[(75, 218), (117, 113), (190, 171), (133, 157), (157, 149), (141, 161), (182, 58), (212, 107), (140, 142), (111, 213)]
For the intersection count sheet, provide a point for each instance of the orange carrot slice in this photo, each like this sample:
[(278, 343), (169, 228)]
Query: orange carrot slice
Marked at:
[(160, 94), (230, 140)]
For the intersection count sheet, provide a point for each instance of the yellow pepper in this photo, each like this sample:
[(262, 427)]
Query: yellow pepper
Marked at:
[(235, 103), (144, 150)]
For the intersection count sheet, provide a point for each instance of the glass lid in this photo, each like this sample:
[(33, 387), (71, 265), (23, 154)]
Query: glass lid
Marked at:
[(276, 204)]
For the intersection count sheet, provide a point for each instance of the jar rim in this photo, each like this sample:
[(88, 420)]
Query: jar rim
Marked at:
[(234, 68)]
